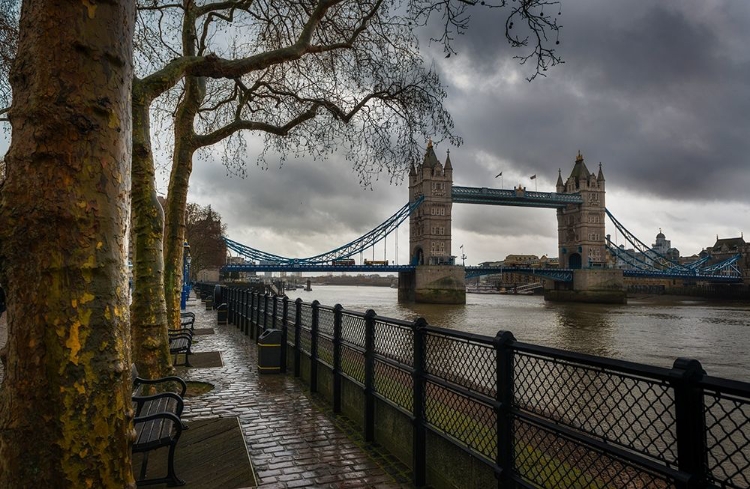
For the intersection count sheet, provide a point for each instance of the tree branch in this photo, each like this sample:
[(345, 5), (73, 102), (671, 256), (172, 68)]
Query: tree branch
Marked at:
[(239, 125)]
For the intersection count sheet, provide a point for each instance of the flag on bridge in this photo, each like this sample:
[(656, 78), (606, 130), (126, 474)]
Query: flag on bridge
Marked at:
[(499, 175), (532, 177)]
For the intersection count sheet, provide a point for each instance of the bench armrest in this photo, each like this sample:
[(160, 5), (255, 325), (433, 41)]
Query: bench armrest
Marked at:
[(187, 320), (182, 331)]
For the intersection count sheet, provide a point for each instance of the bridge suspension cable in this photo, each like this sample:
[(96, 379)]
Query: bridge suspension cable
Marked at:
[(352, 248), (647, 260), (654, 256)]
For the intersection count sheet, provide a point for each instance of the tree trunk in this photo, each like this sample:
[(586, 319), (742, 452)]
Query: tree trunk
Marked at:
[(65, 410), (182, 167), (148, 314)]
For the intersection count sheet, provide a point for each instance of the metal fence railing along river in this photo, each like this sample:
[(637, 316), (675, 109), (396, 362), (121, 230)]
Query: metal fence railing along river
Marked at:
[(535, 416)]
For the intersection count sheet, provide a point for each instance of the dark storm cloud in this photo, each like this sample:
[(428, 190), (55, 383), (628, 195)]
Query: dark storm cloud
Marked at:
[(655, 90)]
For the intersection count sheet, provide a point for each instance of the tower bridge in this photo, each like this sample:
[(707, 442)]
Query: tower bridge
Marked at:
[(432, 275)]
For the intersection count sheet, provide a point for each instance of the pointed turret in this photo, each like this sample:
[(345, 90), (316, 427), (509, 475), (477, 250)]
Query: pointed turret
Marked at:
[(430, 158), (600, 177), (448, 165), (579, 169), (412, 170), (579, 174), (560, 186)]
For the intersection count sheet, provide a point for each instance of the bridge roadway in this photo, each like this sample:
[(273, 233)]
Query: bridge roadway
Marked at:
[(556, 274), (564, 275), (318, 267)]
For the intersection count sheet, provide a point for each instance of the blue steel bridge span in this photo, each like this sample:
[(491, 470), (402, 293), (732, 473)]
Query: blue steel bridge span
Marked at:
[(642, 262), (517, 198), (316, 267)]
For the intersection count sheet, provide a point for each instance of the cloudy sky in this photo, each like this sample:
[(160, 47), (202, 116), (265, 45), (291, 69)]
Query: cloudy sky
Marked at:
[(657, 91)]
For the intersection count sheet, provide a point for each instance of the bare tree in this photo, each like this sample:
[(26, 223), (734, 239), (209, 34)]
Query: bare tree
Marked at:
[(342, 76), (311, 76), (65, 409)]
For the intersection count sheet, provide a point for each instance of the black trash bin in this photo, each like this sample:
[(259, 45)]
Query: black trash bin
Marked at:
[(269, 352), (221, 317)]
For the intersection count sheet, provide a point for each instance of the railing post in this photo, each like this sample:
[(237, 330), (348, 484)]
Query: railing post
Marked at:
[(266, 299), (337, 358), (274, 310), (419, 442), (297, 334), (370, 375), (228, 302), (690, 420), (284, 331), (251, 315), (258, 311), (503, 343), (244, 298), (234, 305), (314, 347)]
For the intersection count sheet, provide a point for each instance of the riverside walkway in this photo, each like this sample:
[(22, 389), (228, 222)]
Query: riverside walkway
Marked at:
[(292, 439)]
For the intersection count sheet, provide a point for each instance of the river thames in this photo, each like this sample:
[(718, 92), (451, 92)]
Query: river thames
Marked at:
[(654, 330)]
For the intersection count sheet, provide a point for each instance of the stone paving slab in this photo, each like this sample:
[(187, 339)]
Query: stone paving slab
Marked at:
[(293, 439)]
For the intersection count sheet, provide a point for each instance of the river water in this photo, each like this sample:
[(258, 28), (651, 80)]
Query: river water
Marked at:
[(654, 330)]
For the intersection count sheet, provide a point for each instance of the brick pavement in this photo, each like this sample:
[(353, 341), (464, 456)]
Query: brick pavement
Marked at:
[(293, 439)]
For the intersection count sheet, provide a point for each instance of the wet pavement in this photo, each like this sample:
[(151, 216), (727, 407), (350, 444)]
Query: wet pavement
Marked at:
[(292, 437)]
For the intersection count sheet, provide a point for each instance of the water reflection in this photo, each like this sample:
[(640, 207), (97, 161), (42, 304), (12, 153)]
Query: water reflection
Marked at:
[(652, 330), (585, 328)]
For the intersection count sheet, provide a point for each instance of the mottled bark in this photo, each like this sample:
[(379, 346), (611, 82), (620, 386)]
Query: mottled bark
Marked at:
[(65, 410), (148, 315), (174, 231), (182, 167)]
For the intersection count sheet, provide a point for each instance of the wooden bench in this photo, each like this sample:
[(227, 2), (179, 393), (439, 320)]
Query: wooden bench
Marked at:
[(180, 342), (187, 320), (157, 424)]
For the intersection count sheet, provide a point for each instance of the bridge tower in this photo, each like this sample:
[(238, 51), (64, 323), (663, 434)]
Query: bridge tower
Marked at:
[(430, 225), (436, 278), (580, 228), (581, 242)]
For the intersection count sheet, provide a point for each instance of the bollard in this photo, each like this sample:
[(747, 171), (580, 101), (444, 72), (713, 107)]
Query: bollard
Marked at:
[(221, 317)]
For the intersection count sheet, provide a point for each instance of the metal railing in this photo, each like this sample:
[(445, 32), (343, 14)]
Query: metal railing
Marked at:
[(536, 416)]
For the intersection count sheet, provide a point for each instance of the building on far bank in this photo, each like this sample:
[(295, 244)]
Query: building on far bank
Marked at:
[(726, 248), (663, 246)]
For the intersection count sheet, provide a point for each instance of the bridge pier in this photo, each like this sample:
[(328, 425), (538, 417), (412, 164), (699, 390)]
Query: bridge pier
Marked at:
[(602, 286), (433, 284)]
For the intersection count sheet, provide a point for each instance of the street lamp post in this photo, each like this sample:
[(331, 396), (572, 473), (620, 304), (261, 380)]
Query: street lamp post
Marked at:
[(185, 275)]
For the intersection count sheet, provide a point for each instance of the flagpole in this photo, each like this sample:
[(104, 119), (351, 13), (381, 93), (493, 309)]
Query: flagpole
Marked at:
[(501, 179)]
